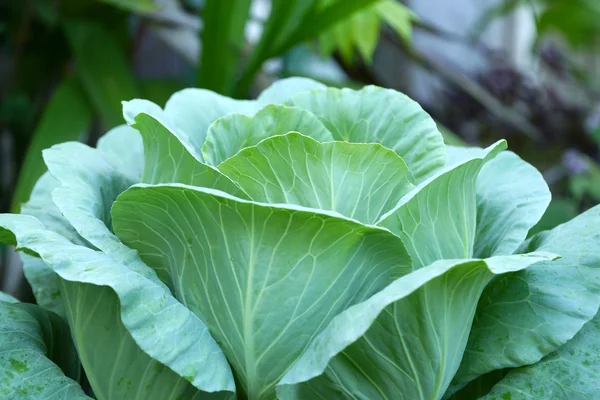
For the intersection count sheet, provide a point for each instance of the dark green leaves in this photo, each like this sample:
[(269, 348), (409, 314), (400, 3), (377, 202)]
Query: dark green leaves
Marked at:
[(34, 346), (222, 43), (54, 127), (103, 69)]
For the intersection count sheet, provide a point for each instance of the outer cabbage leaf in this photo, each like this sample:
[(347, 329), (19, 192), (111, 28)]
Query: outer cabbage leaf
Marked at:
[(115, 365), (459, 154), (376, 115), (167, 159), (512, 196), (360, 181), (264, 278), (570, 373), (526, 315), (124, 147), (32, 342), (283, 89), (7, 298), (135, 108), (44, 282), (406, 341), (437, 220), (90, 184), (40, 205), (192, 110), (232, 133), (89, 281)]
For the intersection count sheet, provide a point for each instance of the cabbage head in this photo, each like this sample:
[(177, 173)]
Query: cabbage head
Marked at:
[(314, 243)]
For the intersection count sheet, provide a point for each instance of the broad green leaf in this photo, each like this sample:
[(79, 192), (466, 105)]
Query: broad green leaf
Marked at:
[(360, 31), (193, 110), (459, 154), (101, 295), (134, 108), (53, 128), (115, 366), (123, 145), (167, 159), (398, 16), (437, 219), (406, 341), (512, 196), (234, 132), (231, 260), (32, 343), (40, 205), (7, 298), (376, 115), (170, 332), (190, 112), (526, 315), (570, 373), (506, 180), (140, 377), (283, 89), (360, 181), (222, 37), (102, 67), (89, 185), (44, 282)]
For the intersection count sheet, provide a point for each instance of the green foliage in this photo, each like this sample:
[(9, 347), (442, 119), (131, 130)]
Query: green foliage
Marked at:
[(291, 23), (222, 43), (64, 64), (53, 128), (84, 45), (313, 243), (36, 353), (362, 29), (103, 68), (338, 24)]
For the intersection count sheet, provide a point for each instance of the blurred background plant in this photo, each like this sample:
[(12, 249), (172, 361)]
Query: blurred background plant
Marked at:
[(525, 70)]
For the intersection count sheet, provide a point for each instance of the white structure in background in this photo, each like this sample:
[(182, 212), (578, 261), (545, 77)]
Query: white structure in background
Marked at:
[(513, 35)]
